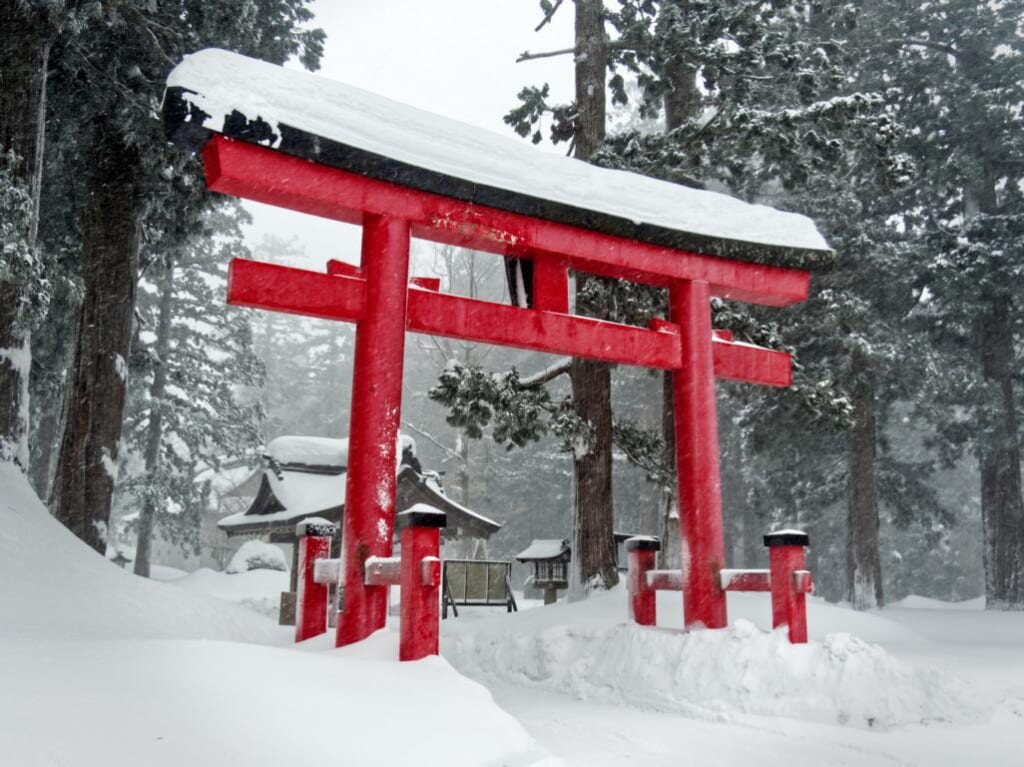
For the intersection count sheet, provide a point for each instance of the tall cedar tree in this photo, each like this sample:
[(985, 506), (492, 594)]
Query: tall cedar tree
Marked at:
[(112, 78), (30, 29), (958, 73)]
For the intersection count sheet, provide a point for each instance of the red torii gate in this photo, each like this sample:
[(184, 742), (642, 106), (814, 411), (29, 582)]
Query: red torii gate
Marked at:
[(380, 298)]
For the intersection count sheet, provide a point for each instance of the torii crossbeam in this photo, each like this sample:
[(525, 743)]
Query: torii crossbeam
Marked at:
[(326, 159)]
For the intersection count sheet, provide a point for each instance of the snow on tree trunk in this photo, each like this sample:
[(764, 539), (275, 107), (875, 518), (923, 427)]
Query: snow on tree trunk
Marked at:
[(1002, 510), (154, 428), (863, 567), (593, 541), (97, 379), (23, 64)]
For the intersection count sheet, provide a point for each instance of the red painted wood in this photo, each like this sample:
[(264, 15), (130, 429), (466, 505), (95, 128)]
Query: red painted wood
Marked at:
[(643, 606), (262, 174), (295, 291), (550, 286), (789, 604), (427, 283), (298, 291), (697, 470), (752, 364), (343, 269), (378, 571), (755, 580), (665, 580), (419, 611), (368, 522), (313, 598)]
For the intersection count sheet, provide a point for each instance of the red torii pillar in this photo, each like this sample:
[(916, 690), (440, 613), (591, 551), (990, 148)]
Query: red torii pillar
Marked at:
[(697, 470), (368, 523)]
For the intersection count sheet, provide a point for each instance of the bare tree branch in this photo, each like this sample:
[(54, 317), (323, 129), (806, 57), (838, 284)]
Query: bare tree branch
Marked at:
[(449, 452), (527, 56), (549, 373), (548, 16)]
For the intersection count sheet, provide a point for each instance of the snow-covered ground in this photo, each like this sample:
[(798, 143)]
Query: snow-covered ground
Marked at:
[(943, 684), (98, 667)]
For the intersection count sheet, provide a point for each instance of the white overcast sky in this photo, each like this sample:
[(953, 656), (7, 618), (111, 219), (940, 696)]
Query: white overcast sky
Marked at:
[(452, 57)]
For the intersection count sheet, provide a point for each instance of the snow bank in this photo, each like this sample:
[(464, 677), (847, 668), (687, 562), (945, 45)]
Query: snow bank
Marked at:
[(258, 590), (587, 651), (55, 586), (206, 704), (148, 686), (256, 555)]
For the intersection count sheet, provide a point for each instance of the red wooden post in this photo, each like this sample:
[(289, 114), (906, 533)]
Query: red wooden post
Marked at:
[(700, 485), (367, 526), (550, 286), (313, 537), (420, 534), (789, 598), (642, 551)]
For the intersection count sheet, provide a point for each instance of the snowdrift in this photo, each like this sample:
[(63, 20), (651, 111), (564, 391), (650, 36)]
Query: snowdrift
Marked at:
[(588, 651), (55, 587), (99, 668)]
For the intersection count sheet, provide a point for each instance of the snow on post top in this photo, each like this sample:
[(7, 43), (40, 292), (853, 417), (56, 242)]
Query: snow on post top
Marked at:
[(543, 548), (330, 122)]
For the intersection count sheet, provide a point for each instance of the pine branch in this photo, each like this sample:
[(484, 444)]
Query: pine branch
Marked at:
[(925, 44)]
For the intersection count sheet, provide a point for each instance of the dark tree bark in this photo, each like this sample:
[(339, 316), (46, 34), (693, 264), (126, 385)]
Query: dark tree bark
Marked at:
[(94, 407), (43, 445), (681, 104), (863, 565), (593, 537), (1002, 503), (24, 54), (1002, 510), (155, 426)]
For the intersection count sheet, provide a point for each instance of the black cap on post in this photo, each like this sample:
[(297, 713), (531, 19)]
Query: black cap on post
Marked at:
[(314, 526), (642, 543), (422, 515), (787, 538)]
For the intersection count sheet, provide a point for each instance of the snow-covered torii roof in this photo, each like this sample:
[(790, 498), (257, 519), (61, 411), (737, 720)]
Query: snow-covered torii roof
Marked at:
[(318, 119)]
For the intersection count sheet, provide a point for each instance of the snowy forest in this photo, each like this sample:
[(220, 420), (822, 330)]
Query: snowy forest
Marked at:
[(125, 380)]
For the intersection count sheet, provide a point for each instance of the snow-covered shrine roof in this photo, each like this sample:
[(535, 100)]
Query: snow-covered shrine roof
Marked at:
[(306, 476), (335, 124), (323, 452), (544, 548)]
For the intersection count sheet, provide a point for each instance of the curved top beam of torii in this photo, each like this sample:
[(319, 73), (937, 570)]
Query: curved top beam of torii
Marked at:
[(337, 125)]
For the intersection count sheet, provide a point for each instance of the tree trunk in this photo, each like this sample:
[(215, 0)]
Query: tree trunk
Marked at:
[(155, 427), (863, 566), (593, 525), (23, 63), (86, 465), (43, 444), (1002, 510), (680, 104), (670, 554), (593, 540)]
